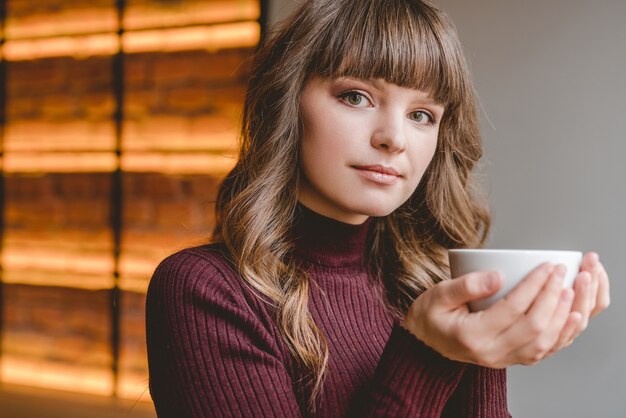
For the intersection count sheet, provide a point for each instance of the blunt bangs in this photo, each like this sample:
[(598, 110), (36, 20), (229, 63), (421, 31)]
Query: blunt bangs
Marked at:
[(400, 41)]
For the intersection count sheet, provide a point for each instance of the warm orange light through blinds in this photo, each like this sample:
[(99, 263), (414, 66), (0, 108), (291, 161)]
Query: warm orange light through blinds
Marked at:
[(150, 112)]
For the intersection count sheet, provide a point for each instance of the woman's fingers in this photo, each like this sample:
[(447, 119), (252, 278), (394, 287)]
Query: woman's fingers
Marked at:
[(543, 307), (599, 294), (583, 289), (538, 318), (543, 343), (594, 262), (603, 297), (505, 312), (454, 293), (567, 334)]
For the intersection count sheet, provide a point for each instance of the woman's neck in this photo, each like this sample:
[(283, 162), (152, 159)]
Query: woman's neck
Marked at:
[(327, 241)]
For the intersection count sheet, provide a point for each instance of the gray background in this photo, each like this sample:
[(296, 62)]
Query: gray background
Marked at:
[(551, 81)]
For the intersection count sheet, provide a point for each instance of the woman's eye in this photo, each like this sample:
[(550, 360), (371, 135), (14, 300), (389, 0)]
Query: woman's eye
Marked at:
[(422, 117), (354, 98)]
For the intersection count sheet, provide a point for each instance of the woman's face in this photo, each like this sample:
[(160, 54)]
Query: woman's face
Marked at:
[(365, 146)]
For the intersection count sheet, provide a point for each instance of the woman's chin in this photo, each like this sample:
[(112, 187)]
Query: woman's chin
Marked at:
[(378, 211)]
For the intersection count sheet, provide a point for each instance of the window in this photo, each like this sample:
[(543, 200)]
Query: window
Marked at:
[(120, 118)]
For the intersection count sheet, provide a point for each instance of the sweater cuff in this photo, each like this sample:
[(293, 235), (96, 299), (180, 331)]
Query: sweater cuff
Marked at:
[(402, 339), (404, 348), (412, 378)]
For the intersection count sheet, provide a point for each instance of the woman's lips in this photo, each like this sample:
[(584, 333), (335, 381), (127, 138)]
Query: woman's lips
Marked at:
[(378, 174)]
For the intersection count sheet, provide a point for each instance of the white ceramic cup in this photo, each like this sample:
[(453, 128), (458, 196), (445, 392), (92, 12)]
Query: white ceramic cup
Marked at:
[(514, 265)]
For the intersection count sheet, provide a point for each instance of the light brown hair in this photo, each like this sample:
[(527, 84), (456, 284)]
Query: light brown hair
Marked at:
[(406, 42)]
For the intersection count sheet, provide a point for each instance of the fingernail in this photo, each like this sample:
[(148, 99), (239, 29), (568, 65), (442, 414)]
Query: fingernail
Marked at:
[(592, 259), (493, 280), (561, 269), (557, 276), (567, 295)]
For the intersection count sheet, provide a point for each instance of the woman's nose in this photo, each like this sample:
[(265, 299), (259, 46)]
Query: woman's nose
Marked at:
[(389, 136)]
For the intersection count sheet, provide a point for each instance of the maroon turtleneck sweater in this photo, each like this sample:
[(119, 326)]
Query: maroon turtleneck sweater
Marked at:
[(214, 348)]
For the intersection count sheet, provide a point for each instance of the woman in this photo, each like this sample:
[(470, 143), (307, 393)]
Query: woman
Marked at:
[(325, 292)]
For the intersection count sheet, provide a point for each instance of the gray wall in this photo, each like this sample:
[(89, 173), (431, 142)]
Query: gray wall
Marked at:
[(551, 79)]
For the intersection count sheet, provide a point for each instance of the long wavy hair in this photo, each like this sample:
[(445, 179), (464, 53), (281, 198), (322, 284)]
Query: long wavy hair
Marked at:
[(406, 42)]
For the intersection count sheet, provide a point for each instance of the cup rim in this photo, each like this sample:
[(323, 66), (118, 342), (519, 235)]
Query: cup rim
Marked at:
[(509, 251)]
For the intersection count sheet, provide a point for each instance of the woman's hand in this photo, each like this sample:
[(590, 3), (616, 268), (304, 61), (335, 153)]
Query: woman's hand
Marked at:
[(592, 297), (522, 328)]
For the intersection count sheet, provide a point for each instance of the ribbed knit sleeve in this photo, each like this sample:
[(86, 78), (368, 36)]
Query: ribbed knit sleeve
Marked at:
[(481, 394), (209, 355), (411, 379)]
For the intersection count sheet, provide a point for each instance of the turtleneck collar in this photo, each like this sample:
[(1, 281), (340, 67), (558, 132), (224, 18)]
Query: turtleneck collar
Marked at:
[(328, 242)]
